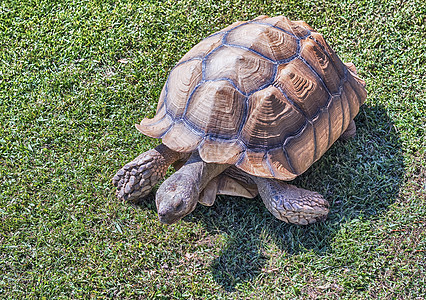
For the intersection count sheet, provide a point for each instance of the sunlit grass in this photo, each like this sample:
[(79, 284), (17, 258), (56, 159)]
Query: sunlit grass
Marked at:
[(74, 78)]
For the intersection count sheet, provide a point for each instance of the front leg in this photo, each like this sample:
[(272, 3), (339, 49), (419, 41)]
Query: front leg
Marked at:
[(230, 183), (291, 204), (136, 179)]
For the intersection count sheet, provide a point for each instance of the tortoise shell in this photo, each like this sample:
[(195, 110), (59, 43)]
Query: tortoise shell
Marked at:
[(267, 95)]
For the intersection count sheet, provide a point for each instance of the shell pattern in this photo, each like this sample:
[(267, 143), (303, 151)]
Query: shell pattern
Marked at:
[(268, 96)]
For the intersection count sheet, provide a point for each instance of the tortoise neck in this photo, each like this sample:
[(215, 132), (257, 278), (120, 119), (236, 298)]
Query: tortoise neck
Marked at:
[(201, 171), (179, 194)]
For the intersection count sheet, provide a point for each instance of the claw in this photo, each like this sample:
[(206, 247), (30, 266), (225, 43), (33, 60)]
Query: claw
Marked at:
[(136, 179)]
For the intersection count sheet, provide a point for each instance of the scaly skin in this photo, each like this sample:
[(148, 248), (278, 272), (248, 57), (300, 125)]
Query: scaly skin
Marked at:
[(291, 204), (137, 178), (232, 182), (349, 133), (285, 201)]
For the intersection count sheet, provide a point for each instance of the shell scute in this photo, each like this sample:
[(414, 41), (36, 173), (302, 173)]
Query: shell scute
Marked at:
[(301, 149), (302, 86), (254, 162), (279, 164), (275, 44), (181, 138), (336, 117), (335, 60), (358, 85), (295, 28), (318, 59), (181, 82), (322, 133), (203, 48), (247, 70), (216, 108), (346, 111), (156, 126), (212, 150), (269, 96), (352, 98), (270, 119)]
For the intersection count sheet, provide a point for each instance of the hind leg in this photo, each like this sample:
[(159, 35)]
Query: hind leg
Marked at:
[(350, 132), (291, 204)]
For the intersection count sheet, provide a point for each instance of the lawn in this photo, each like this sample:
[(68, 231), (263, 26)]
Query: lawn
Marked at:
[(75, 76)]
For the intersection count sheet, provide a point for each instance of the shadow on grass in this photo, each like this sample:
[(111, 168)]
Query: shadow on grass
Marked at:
[(359, 177)]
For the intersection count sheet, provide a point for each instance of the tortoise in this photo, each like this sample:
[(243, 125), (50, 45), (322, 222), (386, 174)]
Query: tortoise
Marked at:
[(245, 110)]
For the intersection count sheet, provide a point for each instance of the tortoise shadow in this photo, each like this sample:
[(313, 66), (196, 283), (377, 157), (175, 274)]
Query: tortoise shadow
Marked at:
[(361, 177)]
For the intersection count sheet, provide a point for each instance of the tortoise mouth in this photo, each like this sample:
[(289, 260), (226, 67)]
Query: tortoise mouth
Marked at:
[(170, 215), (165, 219), (168, 219), (176, 198)]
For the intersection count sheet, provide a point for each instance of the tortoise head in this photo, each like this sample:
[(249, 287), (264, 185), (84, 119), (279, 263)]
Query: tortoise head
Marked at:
[(176, 198)]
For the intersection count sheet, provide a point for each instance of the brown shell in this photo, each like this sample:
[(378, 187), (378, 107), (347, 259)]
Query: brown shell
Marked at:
[(268, 95)]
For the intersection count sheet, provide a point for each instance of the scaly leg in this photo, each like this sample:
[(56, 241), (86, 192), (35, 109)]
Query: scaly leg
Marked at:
[(291, 204), (231, 182), (350, 132), (137, 178)]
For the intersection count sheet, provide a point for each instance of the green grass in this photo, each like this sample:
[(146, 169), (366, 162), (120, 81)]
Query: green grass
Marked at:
[(76, 75)]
